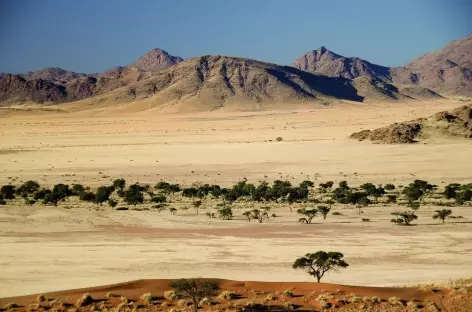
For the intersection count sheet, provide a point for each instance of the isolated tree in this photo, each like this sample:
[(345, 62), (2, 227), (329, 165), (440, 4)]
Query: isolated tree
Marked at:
[(197, 204), (248, 215), (403, 218), (442, 214), (172, 210), (194, 288), (225, 213), (308, 213), (324, 210), (318, 263), (119, 184), (259, 215)]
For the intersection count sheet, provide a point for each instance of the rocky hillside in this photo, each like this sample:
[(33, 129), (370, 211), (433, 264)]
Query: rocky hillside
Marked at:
[(454, 124), (216, 80), (56, 85), (447, 71), (326, 62), (155, 60)]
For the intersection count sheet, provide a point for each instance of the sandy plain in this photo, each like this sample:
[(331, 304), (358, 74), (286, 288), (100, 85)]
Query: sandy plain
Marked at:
[(46, 249)]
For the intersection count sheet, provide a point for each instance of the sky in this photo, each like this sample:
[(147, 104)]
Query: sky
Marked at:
[(91, 36)]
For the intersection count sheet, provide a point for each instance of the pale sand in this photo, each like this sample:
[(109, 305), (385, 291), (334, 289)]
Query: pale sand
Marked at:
[(48, 249)]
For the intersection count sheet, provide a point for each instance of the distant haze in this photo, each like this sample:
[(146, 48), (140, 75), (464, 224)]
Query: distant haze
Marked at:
[(93, 36)]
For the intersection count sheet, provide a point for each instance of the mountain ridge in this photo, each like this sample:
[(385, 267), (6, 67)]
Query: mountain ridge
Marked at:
[(428, 76)]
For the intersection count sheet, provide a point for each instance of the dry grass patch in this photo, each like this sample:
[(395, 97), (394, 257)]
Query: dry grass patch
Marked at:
[(170, 295), (85, 300), (227, 295)]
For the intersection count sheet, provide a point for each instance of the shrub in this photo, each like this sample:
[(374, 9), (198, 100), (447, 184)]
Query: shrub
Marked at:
[(389, 187), (28, 188), (205, 302), (10, 305), (41, 298), (279, 139), (287, 293), (270, 297), (87, 196), (394, 301), (110, 295), (170, 295), (119, 183), (112, 203), (134, 195), (103, 194), (85, 300), (159, 199), (337, 213), (226, 295), (146, 298), (77, 189), (8, 191), (289, 306), (375, 299)]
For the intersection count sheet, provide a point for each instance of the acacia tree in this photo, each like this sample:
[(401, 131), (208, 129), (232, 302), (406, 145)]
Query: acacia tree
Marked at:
[(403, 218), (442, 214), (194, 288), (324, 210), (309, 215), (318, 263), (196, 204)]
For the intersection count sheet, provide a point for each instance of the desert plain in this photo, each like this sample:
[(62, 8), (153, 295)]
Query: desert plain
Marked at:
[(77, 245)]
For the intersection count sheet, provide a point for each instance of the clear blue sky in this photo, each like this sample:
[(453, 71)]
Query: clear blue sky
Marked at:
[(94, 35)]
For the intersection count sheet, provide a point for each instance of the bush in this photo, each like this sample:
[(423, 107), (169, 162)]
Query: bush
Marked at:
[(87, 196), (112, 203), (134, 195), (159, 199), (85, 300), (279, 139), (77, 189), (389, 187), (287, 293), (103, 194), (170, 295), (226, 295), (8, 191), (119, 184), (28, 188)]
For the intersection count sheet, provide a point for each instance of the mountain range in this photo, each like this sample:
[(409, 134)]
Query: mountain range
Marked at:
[(214, 81)]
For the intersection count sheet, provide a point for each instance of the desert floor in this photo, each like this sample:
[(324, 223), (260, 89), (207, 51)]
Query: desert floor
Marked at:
[(45, 249)]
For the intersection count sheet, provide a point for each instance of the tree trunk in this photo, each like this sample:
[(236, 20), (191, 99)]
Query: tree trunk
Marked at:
[(195, 306)]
